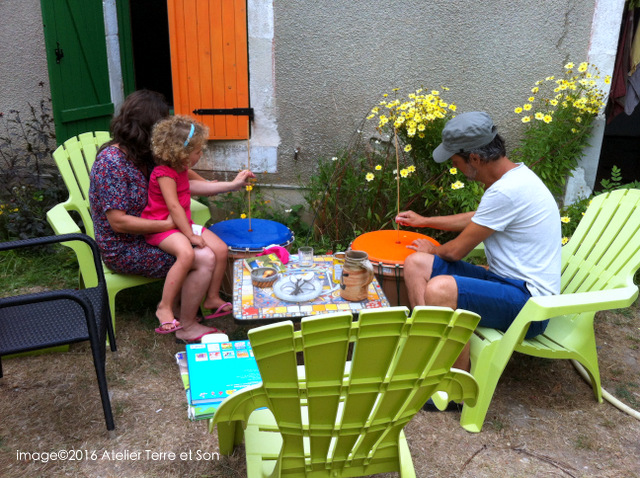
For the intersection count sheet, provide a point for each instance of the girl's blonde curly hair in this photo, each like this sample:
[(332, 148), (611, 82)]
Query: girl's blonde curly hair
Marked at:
[(171, 142)]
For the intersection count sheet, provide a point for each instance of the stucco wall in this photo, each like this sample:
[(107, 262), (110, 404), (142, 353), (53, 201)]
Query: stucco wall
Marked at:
[(334, 60), (22, 55)]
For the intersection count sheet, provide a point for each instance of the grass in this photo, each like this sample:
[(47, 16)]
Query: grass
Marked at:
[(22, 269)]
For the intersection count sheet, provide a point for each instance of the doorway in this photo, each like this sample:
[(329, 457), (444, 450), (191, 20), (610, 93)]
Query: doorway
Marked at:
[(621, 141), (151, 56)]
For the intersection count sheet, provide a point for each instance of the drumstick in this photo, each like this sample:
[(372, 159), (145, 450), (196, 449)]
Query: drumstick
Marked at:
[(249, 167), (395, 133)]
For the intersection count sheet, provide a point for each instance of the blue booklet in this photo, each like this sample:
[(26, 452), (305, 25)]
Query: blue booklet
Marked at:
[(217, 370)]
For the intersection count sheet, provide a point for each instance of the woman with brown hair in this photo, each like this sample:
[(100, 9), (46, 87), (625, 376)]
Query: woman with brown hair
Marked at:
[(118, 194)]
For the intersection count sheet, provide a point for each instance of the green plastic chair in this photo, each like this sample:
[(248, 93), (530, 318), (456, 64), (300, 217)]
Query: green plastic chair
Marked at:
[(598, 265), (74, 159), (336, 416)]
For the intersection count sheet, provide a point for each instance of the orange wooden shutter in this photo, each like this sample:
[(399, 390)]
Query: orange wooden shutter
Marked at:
[(209, 62)]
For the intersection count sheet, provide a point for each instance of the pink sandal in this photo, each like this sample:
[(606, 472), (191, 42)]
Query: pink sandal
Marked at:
[(219, 312), (163, 331)]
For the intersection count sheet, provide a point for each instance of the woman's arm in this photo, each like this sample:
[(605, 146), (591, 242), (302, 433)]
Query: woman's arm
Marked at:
[(201, 187), (124, 223)]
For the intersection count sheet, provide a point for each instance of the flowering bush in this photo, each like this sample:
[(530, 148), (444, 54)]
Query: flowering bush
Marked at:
[(359, 190), (559, 118)]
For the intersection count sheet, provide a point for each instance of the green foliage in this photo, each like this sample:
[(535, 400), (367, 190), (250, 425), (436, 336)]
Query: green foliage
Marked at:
[(29, 182), (559, 117), (616, 181)]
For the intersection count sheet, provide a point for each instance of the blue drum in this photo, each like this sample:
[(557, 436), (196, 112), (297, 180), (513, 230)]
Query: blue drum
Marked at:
[(236, 234), (243, 242)]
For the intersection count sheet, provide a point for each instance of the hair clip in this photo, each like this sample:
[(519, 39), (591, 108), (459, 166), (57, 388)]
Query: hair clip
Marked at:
[(190, 135)]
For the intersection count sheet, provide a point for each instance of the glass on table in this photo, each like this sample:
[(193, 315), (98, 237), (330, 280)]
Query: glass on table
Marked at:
[(305, 256)]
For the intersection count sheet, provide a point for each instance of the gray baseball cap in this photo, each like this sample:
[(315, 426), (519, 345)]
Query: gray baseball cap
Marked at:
[(463, 133)]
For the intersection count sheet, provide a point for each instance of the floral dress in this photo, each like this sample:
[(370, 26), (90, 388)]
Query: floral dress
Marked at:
[(117, 184)]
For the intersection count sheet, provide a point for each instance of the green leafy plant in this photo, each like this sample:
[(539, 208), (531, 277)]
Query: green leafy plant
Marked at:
[(559, 117), (362, 188), (29, 182)]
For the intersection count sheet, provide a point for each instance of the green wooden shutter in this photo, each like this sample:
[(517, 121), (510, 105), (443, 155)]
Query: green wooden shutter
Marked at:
[(77, 62)]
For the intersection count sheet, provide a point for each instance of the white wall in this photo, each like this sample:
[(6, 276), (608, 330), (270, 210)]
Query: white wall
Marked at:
[(23, 65)]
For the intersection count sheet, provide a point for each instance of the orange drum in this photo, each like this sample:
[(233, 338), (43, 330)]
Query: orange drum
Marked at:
[(387, 251)]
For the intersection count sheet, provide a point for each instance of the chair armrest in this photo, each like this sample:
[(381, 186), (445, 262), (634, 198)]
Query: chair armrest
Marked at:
[(459, 386), (200, 213), (236, 408), (546, 307), (61, 221)]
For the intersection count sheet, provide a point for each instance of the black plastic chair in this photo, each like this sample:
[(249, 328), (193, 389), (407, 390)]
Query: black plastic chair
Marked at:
[(58, 317)]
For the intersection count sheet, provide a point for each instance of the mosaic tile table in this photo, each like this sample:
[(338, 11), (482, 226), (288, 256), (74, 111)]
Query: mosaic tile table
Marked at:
[(253, 304)]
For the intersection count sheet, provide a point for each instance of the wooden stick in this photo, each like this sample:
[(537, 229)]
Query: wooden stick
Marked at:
[(249, 168), (395, 133)]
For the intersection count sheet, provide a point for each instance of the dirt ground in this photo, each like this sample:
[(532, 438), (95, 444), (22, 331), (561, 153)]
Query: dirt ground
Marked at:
[(543, 420)]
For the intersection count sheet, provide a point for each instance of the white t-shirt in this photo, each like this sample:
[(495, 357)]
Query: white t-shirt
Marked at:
[(527, 239)]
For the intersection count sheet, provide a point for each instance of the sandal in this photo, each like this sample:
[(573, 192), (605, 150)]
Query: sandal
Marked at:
[(219, 312), (173, 328), (199, 337)]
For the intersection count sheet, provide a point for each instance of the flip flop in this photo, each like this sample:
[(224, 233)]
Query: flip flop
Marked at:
[(219, 312), (161, 330), (199, 337)]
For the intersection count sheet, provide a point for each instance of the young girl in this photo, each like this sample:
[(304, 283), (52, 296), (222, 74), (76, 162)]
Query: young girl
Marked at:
[(177, 143)]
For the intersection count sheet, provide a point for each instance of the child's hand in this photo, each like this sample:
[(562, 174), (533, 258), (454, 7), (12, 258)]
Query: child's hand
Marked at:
[(197, 241), (242, 179)]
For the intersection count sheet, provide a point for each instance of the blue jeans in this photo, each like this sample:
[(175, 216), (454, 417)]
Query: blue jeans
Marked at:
[(496, 299)]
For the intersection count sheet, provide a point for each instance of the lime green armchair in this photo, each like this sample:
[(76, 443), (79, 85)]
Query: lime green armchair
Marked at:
[(598, 267), (74, 159), (342, 412)]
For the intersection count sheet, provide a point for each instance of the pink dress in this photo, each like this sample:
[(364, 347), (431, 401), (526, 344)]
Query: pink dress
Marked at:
[(156, 207)]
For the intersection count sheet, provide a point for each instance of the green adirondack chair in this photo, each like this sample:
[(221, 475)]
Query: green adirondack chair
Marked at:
[(598, 265), (74, 159), (337, 416)]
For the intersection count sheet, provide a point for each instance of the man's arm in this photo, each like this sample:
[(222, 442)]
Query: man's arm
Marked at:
[(454, 222), (458, 248)]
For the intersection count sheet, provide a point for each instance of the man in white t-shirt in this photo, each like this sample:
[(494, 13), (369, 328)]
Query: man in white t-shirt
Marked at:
[(517, 219)]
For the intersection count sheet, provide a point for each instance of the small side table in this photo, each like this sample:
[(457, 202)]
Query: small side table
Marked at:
[(255, 305)]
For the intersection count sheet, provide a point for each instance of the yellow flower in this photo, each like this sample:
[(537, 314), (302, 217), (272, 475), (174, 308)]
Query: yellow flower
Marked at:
[(531, 98), (411, 169), (583, 67), (607, 80), (565, 240), (535, 89), (526, 107), (404, 173), (526, 119), (243, 216), (565, 219), (407, 148), (457, 185), (578, 120), (538, 115), (248, 187), (453, 171), (569, 65), (573, 130), (553, 102), (378, 167), (369, 177), (547, 119), (518, 110), (453, 107)]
